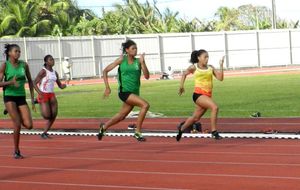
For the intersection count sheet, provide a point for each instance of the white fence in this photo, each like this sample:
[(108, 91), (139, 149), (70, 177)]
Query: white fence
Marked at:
[(91, 54)]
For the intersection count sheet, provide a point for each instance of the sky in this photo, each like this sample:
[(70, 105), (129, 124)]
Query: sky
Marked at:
[(203, 9)]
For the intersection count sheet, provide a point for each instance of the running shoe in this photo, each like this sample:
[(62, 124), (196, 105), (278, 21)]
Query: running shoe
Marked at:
[(255, 114), (131, 127), (45, 136), (17, 155), (179, 135), (101, 132), (216, 135), (138, 136)]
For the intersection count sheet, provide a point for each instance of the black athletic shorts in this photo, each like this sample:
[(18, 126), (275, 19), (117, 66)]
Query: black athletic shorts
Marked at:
[(19, 100), (124, 95), (196, 96)]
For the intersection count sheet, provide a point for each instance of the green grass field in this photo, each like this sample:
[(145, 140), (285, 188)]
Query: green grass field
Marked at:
[(273, 96)]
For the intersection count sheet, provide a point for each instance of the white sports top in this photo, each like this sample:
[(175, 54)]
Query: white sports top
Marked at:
[(47, 84)]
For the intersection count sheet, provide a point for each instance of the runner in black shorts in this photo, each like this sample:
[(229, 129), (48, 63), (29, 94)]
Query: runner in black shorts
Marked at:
[(129, 74), (15, 72)]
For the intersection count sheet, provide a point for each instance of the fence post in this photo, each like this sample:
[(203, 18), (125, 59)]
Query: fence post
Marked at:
[(25, 49), (160, 56), (291, 47), (59, 57), (93, 56), (226, 50), (100, 63), (192, 40), (257, 48)]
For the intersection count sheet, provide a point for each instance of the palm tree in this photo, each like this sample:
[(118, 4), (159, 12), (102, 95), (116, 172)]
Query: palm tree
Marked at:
[(21, 19), (168, 21), (228, 19), (142, 17)]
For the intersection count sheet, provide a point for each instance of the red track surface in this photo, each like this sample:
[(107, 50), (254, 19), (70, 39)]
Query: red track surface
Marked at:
[(224, 125), (72, 163)]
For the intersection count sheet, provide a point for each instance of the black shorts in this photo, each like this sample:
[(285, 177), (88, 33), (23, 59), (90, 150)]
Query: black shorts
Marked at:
[(19, 100), (196, 96), (124, 96)]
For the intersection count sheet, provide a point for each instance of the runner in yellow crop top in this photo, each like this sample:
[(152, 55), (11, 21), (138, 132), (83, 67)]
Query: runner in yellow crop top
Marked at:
[(203, 76)]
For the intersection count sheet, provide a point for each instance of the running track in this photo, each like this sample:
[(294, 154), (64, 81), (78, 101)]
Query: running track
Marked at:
[(72, 163), (82, 162), (169, 124)]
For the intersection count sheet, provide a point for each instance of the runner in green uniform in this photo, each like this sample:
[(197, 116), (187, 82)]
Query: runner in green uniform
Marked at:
[(129, 74), (15, 72)]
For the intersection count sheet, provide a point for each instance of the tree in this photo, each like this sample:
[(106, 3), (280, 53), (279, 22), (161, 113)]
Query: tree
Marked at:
[(64, 15), (227, 19), (21, 19), (88, 27), (142, 17), (255, 17)]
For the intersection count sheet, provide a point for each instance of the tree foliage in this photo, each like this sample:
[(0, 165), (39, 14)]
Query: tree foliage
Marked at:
[(19, 18)]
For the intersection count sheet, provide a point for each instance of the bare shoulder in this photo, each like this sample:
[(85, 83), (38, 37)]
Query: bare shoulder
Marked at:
[(192, 68), (2, 67)]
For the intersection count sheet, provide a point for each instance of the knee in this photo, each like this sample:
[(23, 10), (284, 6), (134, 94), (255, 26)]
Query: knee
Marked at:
[(146, 106), (53, 116), (214, 108), (28, 125), (47, 116)]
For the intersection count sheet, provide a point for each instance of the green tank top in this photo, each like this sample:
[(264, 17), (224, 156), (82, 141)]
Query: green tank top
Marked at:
[(129, 76), (19, 72)]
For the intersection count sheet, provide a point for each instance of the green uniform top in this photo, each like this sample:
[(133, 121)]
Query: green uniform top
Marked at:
[(129, 76), (10, 73)]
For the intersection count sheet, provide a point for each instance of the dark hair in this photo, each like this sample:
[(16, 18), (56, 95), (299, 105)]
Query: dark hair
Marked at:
[(8, 48), (46, 59), (127, 45), (195, 54)]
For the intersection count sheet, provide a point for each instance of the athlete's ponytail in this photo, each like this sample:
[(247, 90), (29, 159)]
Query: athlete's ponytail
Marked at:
[(195, 54), (8, 48), (127, 45), (46, 59)]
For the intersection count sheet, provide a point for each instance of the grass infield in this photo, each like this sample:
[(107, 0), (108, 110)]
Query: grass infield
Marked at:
[(240, 96)]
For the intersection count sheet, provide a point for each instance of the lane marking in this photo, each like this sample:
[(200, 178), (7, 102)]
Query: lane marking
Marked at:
[(166, 134), (164, 173), (86, 185)]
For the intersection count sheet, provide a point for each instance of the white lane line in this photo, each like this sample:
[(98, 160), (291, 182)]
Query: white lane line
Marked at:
[(249, 143), (176, 123), (162, 173), (86, 185), (197, 135), (158, 143), (165, 151), (166, 161)]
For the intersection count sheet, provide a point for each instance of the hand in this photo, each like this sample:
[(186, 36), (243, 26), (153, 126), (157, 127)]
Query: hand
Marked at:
[(142, 58), (106, 93), (63, 86), (181, 91), (222, 61), (15, 82)]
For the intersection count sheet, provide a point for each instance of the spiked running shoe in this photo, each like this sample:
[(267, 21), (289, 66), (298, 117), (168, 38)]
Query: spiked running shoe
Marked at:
[(216, 135), (138, 136), (101, 132)]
